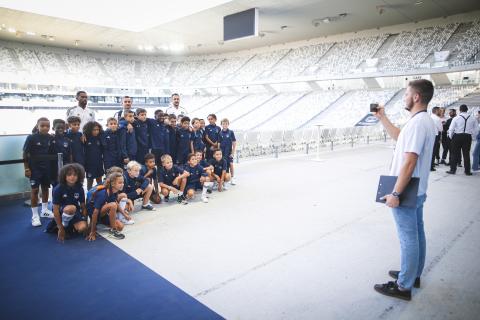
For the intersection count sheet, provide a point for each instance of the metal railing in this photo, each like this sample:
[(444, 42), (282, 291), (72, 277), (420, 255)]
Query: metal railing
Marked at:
[(272, 143)]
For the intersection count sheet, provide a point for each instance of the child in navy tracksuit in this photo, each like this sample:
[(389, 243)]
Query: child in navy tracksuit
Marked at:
[(142, 135), (36, 150), (128, 140), (211, 136), (196, 137), (183, 141), (60, 144), (159, 137), (227, 145), (219, 174), (74, 134), (136, 186), (196, 179), (68, 198), (93, 153), (111, 145)]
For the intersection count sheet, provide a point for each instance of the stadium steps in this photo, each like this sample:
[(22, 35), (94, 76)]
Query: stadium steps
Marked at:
[(102, 67), (472, 100), (221, 107), (15, 59), (396, 97), (206, 76), (328, 109), (281, 111), (206, 104), (456, 38), (307, 72), (265, 73), (383, 50), (431, 57), (240, 68), (138, 69), (62, 63), (260, 105), (172, 69), (231, 104)]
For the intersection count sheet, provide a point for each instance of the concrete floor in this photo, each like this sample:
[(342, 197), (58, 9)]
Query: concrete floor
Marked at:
[(299, 239)]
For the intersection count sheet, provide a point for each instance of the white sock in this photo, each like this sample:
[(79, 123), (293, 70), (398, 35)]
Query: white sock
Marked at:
[(66, 219), (206, 185), (123, 204), (44, 206), (34, 211)]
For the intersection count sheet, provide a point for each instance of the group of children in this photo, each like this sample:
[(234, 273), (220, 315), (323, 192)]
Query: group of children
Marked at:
[(122, 159)]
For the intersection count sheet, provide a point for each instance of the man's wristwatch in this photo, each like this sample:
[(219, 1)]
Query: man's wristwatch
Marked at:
[(396, 194)]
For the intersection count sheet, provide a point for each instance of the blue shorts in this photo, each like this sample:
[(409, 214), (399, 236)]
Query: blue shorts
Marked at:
[(77, 217), (40, 177), (195, 186)]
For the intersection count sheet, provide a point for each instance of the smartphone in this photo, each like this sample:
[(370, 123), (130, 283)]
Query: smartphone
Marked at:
[(373, 107)]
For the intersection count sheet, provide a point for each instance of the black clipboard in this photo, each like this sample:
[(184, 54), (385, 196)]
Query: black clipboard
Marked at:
[(408, 198)]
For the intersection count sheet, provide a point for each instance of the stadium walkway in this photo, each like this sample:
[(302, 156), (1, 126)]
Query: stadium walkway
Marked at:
[(296, 239)]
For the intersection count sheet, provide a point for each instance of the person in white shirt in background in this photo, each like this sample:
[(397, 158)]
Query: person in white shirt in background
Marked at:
[(463, 128), (175, 107), (81, 110), (436, 147), (476, 150)]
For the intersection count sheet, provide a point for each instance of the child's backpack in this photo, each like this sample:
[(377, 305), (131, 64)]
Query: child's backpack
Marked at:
[(92, 192)]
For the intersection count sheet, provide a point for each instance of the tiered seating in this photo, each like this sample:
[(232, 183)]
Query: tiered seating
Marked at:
[(226, 69), (265, 111), (214, 106), (347, 55), (6, 61), (243, 106), (154, 72), (410, 49), (302, 111), (83, 65), (29, 61), (355, 107), (122, 70), (194, 72), (470, 44), (50, 63), (192, 103), (258, 64), (296, 61)]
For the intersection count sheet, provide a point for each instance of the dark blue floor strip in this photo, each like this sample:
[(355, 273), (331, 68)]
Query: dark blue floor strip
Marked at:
[(43, 279)]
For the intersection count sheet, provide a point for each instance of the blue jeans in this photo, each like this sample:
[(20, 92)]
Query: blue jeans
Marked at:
[(476, 154), (409, 222)]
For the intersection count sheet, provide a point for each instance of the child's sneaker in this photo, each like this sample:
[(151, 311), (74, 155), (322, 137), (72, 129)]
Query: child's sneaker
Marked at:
[(36, 220), (205, 199), (225, 186), (232, 181), (148, 206), (209, 191), (181, 199), (46, 214), (166, 198), (116, 234)]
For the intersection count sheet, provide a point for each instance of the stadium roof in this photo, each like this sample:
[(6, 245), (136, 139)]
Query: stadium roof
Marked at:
[(196, 27)]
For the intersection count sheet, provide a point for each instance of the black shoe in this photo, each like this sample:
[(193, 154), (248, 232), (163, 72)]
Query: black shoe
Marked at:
[(433, 169), (460, 165), (450, 172), (209, 191), (394, 275), (166, 198), (443, 162), (116, 234), (391, 289), (468, 173)]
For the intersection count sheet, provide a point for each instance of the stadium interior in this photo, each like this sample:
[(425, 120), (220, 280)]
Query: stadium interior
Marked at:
[(299, 237)]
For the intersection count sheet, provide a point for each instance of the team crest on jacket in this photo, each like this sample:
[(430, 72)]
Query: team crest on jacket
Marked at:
[(65, 144), (76, 195)]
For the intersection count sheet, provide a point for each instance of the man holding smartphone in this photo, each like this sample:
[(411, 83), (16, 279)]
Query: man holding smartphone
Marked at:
[(412, 158)]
